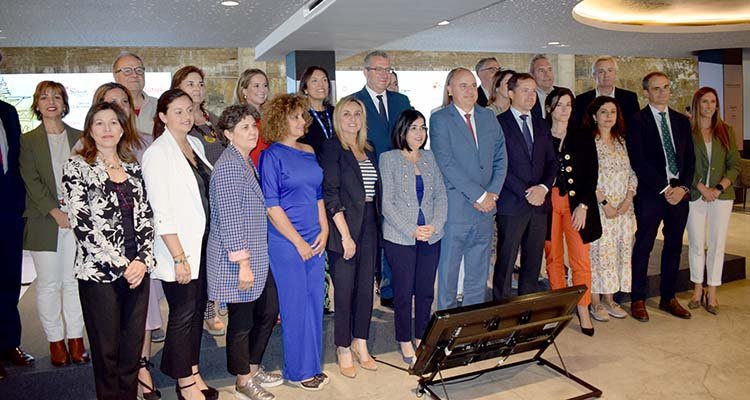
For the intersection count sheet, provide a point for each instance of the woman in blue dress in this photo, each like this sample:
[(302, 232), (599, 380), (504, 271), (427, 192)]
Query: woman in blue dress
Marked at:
[(292, 184)]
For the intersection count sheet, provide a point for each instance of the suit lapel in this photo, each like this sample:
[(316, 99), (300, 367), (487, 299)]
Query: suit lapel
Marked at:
[(353, 164), (462, 129)]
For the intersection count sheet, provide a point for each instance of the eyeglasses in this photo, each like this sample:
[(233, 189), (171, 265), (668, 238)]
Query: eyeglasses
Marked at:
[(380, 70), (129, 71)]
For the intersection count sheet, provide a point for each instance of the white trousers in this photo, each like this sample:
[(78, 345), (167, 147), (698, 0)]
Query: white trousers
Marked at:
[(711, 217), (57, 289)]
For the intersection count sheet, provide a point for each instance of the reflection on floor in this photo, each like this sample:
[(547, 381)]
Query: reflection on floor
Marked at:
[(706, 357)]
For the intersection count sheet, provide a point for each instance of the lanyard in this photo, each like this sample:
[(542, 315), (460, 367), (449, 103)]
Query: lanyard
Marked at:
[(322, 125)]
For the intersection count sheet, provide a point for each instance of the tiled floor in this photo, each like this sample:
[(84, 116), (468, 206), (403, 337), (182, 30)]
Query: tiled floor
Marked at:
[(706, 357)]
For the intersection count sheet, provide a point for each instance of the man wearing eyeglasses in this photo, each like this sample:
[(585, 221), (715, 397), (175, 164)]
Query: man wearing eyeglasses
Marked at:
[(383, 108), (128, 71), (485, 69)]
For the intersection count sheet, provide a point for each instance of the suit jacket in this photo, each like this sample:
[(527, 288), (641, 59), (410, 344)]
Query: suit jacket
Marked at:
[(344, 191), (579, 170), (176, 201), (239, 229), (400, 204), (646, 152), (525, 171), (536, 111), (724, 163), (482, 99), (95, 217), (627, 100), (11, 184), (35, 163), (468, 172), (379, 130)]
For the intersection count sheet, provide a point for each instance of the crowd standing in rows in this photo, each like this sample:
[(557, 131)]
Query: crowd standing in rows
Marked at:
[(247, 211)]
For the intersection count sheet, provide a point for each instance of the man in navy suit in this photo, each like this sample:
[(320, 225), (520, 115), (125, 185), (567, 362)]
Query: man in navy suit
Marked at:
[(523, 204), (604, 71), (11, 225), (541, 70), (383, 108), (469, 148), (485, 70), (660, 147)]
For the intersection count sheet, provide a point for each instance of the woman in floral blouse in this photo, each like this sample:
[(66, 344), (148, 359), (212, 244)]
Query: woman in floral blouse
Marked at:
[(111, 218)]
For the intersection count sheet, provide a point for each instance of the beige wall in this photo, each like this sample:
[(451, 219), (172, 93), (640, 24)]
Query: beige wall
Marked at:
[(222, 66)]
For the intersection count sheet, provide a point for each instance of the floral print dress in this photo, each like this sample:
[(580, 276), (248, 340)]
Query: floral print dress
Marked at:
[(611, 253)]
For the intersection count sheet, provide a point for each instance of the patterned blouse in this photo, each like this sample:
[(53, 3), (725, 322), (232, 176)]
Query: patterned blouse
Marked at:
[(96, 218)]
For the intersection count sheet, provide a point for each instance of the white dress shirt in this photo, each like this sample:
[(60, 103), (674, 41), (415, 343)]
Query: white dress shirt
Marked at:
[(4, 147), (375, 101)]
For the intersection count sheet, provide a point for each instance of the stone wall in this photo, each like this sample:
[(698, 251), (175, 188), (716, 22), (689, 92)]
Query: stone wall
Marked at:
[(222, 66)]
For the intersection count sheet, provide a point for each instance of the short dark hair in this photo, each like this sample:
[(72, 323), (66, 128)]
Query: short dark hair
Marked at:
[(162, 105), (553, 99), (232, 115), (41, 88), (650, 75), (401, 129), (518, 76), (306, 77)]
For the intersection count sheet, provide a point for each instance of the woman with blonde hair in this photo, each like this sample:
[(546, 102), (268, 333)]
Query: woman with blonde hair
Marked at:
[(351, 187), (252, 89)]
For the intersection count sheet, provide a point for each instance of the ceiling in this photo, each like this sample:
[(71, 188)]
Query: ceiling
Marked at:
[(276, 27)]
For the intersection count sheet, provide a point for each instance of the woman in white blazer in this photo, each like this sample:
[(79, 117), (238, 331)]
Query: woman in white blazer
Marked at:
[(177, 176)]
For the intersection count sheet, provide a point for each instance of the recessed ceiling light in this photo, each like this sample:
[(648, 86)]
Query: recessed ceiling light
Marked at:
[(443, 23), (230, 3), (553, 43)]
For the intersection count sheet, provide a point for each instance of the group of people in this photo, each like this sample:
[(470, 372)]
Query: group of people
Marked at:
[(160, 198)]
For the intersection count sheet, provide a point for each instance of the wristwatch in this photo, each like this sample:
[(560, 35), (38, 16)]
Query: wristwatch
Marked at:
[(720, 187), (604, 202)]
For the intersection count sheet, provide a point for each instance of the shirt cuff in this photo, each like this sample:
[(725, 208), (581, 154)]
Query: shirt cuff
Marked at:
[(545, 188), (481, 198), (237, 256)]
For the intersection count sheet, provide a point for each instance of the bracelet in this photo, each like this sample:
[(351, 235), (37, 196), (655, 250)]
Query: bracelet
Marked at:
[(180, 259), (344, 238)]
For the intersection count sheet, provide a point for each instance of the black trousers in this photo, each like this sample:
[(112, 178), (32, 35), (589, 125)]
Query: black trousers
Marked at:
[(115, 318), (528, 231), (250, 326), (352, 283), (414, 269), (187, 303), (650, 211), (11, 259)]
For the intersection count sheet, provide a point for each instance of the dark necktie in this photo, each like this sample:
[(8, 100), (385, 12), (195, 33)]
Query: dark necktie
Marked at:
[(381, 107), (527, 134), (666, 139), (471, 129)]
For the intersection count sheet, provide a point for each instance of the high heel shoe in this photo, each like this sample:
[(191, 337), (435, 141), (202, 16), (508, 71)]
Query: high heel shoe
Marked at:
[(366, 364), (407, 359), (585, 331), (711, 309), (178, 390), (349, 372), (153, 393), (209, 393)]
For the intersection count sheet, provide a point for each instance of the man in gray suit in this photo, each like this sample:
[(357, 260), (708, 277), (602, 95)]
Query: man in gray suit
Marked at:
[(469, 148)]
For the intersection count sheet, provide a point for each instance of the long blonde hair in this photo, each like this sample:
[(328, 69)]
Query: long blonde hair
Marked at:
[(362, 144)]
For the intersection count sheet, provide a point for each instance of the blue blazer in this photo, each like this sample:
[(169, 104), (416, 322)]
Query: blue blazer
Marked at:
[(468, 171), (523, 171), (379, 130), (13, 200), (647, 153), (238, 229)]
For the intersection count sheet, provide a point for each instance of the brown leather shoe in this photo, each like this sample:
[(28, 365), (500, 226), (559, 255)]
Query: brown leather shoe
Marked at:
[(673, 307), (638, 310), (18, 357), (58, 354), (78, 353)]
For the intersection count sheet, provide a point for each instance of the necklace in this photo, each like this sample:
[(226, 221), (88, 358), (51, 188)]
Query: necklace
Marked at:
[(113, 166)]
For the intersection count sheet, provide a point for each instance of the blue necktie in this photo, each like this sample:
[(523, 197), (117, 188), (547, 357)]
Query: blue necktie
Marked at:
[(527, 134)]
